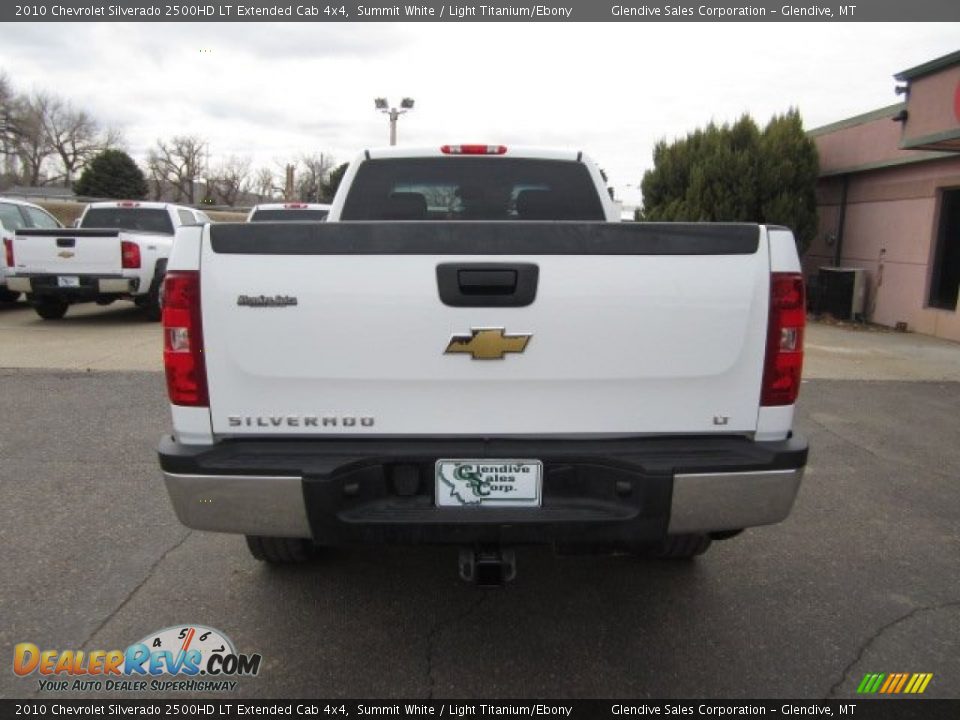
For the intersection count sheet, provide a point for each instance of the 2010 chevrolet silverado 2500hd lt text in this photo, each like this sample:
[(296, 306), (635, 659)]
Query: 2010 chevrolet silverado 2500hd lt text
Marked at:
[(472, 350), (119, 250)]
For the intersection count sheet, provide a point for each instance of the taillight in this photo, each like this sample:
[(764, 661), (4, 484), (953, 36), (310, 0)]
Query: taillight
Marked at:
[(784, 361), (473, 149), (183, 339), (129, 255), (8, 251)]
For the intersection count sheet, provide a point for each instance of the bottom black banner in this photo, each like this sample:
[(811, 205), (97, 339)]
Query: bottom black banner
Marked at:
[(860, 709)]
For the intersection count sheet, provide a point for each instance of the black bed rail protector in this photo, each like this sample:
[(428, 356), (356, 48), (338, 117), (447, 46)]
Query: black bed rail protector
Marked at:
[(484, 238), (318, 456), (68, 232)]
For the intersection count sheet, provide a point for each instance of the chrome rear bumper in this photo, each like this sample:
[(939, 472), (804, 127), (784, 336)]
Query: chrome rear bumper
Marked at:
[(275, 505)]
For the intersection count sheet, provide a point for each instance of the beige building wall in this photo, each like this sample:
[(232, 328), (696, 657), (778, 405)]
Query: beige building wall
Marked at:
[(883, 175), (932, 105), (890, 231)]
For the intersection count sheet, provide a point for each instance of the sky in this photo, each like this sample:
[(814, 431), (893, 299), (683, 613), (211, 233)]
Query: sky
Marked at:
[(275, 91)]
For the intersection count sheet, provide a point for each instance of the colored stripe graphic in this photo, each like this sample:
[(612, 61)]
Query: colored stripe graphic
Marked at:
[(894, 683), (891, 681), (903, 680), (870, 683)]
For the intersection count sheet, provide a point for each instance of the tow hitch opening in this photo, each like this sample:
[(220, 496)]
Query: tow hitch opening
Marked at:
[(488, 566)]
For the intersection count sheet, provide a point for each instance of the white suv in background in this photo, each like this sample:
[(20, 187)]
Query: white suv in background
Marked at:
[(14, 215)]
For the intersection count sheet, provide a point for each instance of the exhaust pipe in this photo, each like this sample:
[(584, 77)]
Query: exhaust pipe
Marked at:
[(490, 566)]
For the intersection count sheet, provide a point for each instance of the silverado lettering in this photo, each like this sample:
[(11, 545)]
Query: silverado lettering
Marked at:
[(299, 421)]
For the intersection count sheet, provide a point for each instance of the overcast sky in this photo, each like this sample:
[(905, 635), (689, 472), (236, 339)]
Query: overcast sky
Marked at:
[(275, 91)]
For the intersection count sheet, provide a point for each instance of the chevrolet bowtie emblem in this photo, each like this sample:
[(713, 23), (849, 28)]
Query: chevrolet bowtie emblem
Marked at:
[(66, 253), (487, 343)]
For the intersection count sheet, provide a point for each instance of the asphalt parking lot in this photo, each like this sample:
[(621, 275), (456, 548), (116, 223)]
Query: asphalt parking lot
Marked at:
[(862, 577)]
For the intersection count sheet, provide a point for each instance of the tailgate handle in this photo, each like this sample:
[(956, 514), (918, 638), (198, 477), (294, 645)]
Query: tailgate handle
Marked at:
[(487, 284), (66, 242)]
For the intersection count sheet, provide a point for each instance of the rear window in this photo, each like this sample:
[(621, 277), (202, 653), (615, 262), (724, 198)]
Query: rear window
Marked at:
[(41, 218), (148, 220), (446, 188), (10, 217), (287, 214)]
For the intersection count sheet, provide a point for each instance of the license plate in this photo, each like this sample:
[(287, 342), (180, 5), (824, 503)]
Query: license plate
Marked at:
[(68, 281), (488, 483)]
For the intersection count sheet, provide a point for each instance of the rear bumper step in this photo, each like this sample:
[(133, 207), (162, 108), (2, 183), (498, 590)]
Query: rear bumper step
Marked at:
[(622, 492)]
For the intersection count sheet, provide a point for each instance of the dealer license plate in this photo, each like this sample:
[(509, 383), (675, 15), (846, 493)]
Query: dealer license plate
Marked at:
[(68, 281), (488, 483)]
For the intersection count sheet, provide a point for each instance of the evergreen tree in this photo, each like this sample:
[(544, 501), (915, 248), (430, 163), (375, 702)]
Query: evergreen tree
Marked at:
[(788, 177), (333, 181), (112, 174), (736, 173)]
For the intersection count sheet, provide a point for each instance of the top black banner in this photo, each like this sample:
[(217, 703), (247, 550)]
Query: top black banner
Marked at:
[(496, 11)]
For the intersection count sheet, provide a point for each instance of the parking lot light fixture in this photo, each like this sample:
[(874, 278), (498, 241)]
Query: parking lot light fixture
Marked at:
[(383, 105)]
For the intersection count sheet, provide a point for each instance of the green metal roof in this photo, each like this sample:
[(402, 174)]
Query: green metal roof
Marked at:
[(879, 114), (929, 67)]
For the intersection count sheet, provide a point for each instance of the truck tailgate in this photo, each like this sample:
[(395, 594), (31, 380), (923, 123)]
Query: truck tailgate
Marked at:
[(340, 328), (68, 251)]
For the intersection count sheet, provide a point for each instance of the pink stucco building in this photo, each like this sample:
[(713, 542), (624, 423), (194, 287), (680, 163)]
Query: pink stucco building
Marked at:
[(889, 201)]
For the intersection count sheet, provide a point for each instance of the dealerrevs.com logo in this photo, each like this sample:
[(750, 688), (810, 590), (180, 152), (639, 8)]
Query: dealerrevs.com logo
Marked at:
[(182, 658)]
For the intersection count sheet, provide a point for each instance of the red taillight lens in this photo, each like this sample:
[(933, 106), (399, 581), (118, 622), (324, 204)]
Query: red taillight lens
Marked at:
[(183, 339), (473, 149), (784, 361), (130, 255), (8, 251)]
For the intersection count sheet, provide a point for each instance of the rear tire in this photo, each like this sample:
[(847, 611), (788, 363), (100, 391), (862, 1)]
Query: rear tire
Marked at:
[(681, 547), (8, 296), (280, 550), (51, 308), (152, 305)]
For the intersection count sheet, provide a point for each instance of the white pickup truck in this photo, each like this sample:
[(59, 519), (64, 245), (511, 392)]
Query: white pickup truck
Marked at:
[(288, 212), (472, 350), (119, 250)]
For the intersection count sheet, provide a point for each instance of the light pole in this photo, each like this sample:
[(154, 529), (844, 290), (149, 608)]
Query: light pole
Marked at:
[(383, 106)]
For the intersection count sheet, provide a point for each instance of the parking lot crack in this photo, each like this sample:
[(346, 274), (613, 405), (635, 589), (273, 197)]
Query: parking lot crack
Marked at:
[(879, 632), (130, 595), (438, 629)]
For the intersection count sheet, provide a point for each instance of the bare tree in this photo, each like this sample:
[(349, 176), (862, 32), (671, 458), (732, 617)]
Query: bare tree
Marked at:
[(264, 184), (156, 178), (31, 144), (313, 170), (112, 138), (73, 135), (231, 179), (7, 109), (179, 163)]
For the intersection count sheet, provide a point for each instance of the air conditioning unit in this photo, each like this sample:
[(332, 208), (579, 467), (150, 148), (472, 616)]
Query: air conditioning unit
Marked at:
[(842, 292)]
